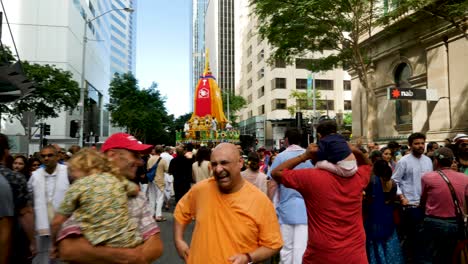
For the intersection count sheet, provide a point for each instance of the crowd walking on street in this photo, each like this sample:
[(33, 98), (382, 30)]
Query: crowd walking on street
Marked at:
[(329, 202)]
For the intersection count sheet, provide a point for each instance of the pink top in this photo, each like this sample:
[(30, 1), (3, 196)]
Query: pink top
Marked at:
[(436, 193)]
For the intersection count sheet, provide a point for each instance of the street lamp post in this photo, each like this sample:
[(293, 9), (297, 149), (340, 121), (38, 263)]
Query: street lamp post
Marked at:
[(83, 68)]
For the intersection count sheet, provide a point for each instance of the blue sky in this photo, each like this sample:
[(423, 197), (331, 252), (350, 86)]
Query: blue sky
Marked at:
[(163, 48)]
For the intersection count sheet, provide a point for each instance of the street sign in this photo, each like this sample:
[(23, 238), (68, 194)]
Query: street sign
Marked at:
[(395, 93)]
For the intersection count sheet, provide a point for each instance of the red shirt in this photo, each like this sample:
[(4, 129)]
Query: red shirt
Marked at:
[(437, 196), (334, 212)]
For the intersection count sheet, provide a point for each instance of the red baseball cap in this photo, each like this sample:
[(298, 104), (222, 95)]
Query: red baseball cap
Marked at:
[(125, 141)]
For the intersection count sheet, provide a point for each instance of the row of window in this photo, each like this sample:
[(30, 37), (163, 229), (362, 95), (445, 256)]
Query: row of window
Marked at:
[(118, 62), (281, 104), (117, 51), (280, 83), (117, 20), (118, 41)]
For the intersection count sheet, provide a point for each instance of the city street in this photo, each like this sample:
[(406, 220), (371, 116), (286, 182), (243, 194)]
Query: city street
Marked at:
[(170, 253)]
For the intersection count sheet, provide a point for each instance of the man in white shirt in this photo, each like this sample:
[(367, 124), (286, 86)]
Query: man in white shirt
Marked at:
[(49, 185), (168, 178)]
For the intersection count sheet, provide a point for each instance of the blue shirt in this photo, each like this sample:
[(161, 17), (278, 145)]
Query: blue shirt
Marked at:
[(291, 207), (407, 175)]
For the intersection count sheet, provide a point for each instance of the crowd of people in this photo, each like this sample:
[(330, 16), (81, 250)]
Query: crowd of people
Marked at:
[(328, 203)]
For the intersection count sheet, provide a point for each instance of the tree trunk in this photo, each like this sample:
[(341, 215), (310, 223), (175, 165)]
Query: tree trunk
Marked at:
[(371, 115)]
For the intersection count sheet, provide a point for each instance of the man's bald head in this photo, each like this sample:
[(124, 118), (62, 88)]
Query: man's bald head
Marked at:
[(227, 147), (226, 165)]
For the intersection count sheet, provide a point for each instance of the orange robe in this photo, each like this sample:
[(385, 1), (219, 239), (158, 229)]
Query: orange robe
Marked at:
[(227, 224)]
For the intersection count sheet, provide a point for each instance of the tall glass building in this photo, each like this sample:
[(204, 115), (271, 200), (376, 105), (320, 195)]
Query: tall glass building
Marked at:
[(197, 45), (52, 32), (123, 37), (219, 39)]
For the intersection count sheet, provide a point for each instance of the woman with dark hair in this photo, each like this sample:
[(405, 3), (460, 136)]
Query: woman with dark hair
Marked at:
[(253, 174), (20, 164), (201, 168), (382, 241), (34, 164), (388, 156)]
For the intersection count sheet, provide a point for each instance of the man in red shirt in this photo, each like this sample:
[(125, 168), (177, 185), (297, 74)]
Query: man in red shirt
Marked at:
[(334, 208), (440, 229)]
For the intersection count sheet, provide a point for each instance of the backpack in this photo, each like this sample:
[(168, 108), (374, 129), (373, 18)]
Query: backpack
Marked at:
[(152, 172)]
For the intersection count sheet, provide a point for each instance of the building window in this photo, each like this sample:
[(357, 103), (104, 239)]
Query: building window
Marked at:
[(324, 84), (277, 104), (261, 110), (249, 99), (347, 85), (249, 34), (249, 67), (261, 92), (260, 56), (303, 63), (347, 105), (301, 83), (278, 83), (91, 8), (249, 50), (280, 64), (403, 107), (325, 105), (250, 114), (249, 83), (260, 74)]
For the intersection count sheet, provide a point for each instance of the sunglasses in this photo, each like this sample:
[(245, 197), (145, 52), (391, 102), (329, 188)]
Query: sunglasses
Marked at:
[(47, 155)]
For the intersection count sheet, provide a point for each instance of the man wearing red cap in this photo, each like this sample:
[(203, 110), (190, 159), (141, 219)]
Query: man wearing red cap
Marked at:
[(123, 151)]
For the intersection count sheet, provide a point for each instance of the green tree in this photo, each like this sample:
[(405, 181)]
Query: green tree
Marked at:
[(348, 119), (141, 111), (453, 11), (236, 103), (55, 90), (180, 121), (301, 100), (332, 28)]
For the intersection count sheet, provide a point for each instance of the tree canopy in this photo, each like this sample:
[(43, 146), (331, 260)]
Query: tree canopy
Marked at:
[(236, 103), (141, 111), (55, 90), (328, 30), (332, 32)]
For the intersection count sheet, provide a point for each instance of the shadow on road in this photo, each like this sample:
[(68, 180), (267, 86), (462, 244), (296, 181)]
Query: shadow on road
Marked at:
[(170, 255)]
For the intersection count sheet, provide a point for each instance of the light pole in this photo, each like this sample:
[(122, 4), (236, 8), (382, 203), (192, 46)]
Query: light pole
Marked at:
[(83, 68)]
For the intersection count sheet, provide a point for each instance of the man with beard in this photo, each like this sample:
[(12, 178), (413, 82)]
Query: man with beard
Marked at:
[(123, 151), (407, 175), (232, 216), (49, 185)]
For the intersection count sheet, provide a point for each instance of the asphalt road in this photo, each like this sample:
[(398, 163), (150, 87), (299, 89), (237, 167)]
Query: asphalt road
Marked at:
[(170, 255)]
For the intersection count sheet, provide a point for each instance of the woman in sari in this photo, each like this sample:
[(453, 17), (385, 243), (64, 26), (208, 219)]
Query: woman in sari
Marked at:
[(382, 241)]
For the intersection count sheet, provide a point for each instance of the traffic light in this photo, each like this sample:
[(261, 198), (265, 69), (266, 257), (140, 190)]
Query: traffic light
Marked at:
[(46, 130), (45, 142)]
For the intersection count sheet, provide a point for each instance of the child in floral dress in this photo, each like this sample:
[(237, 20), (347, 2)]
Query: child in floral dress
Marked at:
[(98, 201)]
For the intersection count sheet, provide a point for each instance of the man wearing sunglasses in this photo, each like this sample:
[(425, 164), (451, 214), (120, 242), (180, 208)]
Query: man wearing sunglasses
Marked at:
[(49, 185), (123, 151)]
